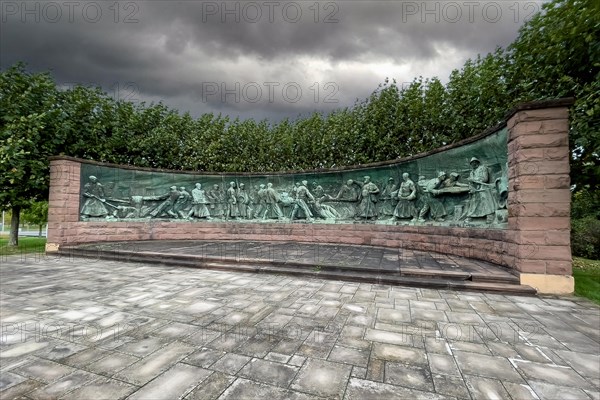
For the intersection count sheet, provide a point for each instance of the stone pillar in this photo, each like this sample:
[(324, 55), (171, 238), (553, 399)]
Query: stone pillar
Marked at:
[(63, 201), (539, 201)]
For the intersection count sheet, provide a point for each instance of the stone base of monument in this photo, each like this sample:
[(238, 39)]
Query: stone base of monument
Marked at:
[(369, 264)]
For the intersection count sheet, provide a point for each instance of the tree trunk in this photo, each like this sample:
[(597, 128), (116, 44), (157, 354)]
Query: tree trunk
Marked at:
[(40, 232), (13, 237)]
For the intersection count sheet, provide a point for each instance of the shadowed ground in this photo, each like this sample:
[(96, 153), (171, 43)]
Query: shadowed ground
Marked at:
[(89, 329)]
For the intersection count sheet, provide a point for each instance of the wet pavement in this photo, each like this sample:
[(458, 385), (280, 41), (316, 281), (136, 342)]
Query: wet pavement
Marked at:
[(79, 328)]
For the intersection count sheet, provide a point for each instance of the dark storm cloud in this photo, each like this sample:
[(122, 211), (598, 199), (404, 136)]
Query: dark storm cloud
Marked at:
[(252, 59), (356, 28)]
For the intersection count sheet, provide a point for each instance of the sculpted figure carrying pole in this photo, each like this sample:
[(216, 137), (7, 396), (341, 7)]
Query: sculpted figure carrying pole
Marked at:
[(94, 205), (168, 205)]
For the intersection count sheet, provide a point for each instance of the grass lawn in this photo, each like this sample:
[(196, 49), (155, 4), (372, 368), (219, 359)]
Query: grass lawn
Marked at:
[(26, 245), (587, 278)]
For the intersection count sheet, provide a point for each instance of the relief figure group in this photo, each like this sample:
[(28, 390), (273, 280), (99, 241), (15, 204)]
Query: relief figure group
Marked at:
[(355, 200)]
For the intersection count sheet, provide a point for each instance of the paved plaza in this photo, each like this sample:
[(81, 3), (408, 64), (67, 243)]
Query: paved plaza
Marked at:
[(83, 329)]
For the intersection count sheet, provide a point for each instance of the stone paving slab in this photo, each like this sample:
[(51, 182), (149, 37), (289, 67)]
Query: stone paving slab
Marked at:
[(88, 329), (368, 257)]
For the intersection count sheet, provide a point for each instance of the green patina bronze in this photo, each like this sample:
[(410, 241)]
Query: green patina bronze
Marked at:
[(461, 186)]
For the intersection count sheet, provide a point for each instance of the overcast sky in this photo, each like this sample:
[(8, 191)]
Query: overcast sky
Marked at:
[(263, 59)]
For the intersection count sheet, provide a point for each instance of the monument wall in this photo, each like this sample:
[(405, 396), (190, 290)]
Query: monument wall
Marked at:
[(502, 196)]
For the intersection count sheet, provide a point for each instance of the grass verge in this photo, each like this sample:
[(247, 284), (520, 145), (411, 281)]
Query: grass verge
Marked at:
[(26, 245), (587, 278)]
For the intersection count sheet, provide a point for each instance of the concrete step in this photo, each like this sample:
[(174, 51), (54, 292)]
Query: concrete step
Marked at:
[(434, 279), (407, 271)]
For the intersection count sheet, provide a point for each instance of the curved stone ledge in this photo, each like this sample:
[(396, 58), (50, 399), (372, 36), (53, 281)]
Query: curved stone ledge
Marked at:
[(481, 244)]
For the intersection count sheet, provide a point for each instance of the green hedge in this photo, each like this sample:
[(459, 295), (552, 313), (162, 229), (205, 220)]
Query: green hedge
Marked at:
[(585, 237)]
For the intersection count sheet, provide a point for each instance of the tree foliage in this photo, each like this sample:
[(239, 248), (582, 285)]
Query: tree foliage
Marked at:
[(37, 214), (557, 54), (29, 106)]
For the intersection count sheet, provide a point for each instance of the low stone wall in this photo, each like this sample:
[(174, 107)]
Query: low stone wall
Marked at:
[(482, 244), (535, 246)]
